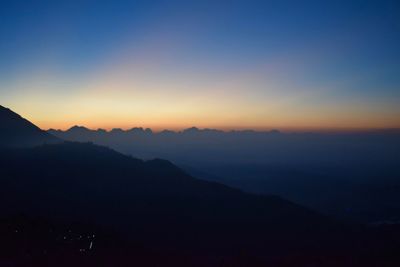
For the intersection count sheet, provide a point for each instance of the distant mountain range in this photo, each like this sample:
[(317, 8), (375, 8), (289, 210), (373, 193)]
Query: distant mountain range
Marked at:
[(362, 167), (194, 146), (81, 130)]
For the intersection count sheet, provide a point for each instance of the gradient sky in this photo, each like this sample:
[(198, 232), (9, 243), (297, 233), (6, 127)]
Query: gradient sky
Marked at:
[(223, 64)]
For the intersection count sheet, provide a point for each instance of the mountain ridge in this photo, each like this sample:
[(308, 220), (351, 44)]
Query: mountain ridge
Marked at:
[(156, 204), (190, 130), (78, 175), (18, 131)]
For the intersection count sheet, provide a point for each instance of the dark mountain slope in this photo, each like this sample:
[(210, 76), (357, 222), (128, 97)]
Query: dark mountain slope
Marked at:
[(155, 204), (157, 214), (154, 201), (17, 131)]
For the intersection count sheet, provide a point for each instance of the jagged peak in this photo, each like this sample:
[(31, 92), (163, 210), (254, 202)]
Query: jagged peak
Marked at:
[(77, 127)]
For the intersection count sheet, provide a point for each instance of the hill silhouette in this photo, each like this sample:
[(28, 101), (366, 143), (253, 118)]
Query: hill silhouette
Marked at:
[(157, 205), (17, 131), (153, 201), (92, 183)]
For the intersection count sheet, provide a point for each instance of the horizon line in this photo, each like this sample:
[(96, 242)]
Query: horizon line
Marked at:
[(239, 129)]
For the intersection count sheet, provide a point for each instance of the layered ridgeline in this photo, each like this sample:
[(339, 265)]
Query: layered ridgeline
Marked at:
[(153, 203), (17, 131), (357, 171)]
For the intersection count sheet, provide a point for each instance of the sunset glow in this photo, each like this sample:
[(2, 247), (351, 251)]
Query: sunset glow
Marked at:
[(199, 65)]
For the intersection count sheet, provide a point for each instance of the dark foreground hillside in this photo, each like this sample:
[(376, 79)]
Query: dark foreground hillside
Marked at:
[(38, 242), (150, 213), (17, 131), (79, 204)]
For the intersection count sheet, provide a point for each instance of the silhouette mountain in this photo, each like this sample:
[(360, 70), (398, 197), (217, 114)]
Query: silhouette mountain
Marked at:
[(93, 183), (153, 201), (17, 131), (297, 166), (72, 132), (156, 204)]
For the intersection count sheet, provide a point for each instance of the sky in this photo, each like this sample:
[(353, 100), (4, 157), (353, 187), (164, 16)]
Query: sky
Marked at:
[(219, 64)]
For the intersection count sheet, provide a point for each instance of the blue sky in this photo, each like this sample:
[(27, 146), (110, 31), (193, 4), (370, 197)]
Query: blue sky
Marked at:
[(224, 64)]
